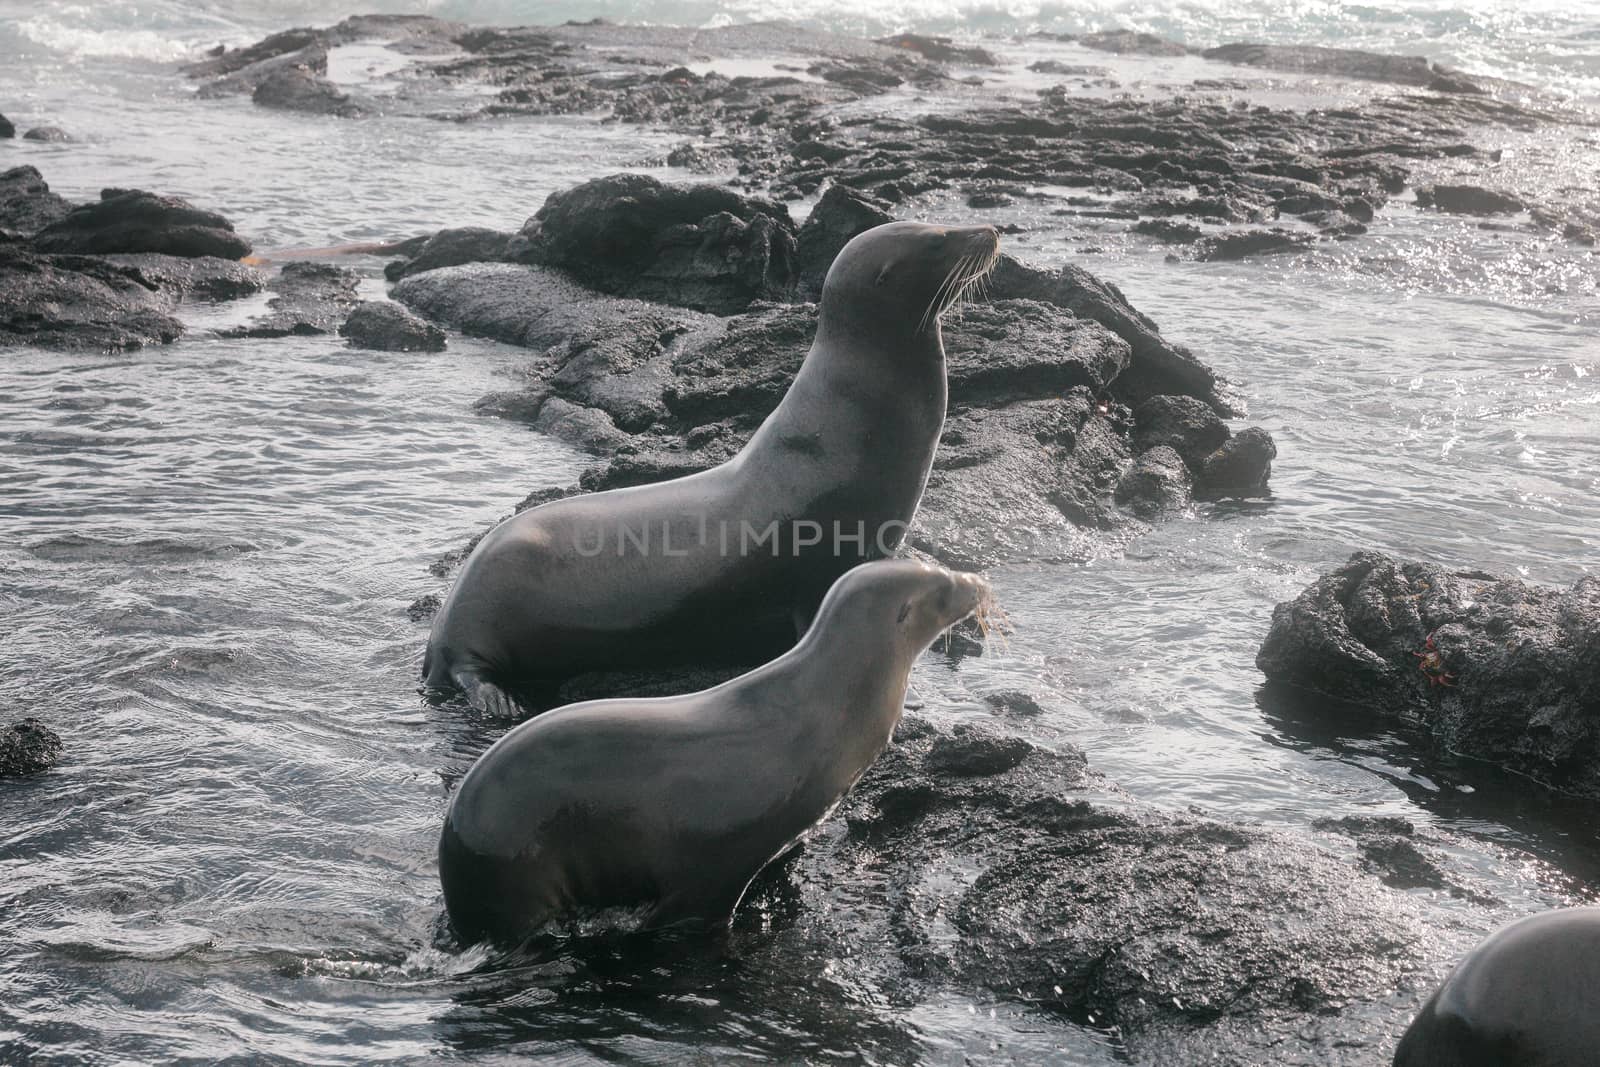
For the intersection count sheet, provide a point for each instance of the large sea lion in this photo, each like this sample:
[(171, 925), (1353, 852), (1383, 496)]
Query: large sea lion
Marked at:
[(1529, 996), (668, 807), (735, 559)]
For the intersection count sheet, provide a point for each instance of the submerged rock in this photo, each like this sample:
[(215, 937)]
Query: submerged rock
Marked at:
[(79, 302), (387, 327), (1233, 246), (28, 747), (310, 298), (48, 134), (1468, 200), (26, 203), (1128, 42), (131, 220), (296, 88), (1340, 62), (1240, 467), (1493, 668), (697, 246), (942, 49)]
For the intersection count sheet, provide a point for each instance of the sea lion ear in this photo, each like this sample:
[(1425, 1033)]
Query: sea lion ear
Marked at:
[(883, 274)]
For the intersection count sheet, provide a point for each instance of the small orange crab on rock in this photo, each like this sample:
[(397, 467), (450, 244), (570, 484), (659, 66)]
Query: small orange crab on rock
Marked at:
[(1430, 661)]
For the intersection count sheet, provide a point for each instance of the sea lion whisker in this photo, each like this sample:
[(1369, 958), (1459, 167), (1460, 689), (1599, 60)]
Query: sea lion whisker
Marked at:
[(935, 306)]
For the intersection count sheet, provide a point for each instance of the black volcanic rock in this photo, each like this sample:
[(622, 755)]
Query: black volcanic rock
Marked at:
[(308, 299), (1468, 200), (842, 213), (28, 747), (942, 49), (1240, 467), (48, 135), (1158, 482), (1158, 367), (79, 302), (296, 88), (387, 327), (185, 277), (450, 248), (26, 203), (131, 220), (1186, 424), (698, 246), (1128, 42), (7, 129), (1494, 669), (1242, 245)]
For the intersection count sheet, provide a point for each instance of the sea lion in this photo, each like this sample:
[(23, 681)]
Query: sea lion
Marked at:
[(732, 560), (1528, 996), (667, 807)]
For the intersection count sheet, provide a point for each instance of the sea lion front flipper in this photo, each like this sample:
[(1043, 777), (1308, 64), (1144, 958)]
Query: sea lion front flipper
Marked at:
[(490, 699)]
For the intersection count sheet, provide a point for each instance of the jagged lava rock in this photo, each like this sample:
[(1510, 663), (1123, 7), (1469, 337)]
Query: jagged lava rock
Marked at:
[(28, 747), (296, 88), (132, 220), (450, 248), (1468, 200), (697, 246), (1512, 676), (1186, 424), (386, 327), (309, 298), (1240, 467), (79, 302), (26, 203), (205, 277), (842, 214), (1158, 482)]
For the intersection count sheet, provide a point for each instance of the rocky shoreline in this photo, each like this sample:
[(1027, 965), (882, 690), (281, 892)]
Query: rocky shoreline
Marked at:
[(664, 321)]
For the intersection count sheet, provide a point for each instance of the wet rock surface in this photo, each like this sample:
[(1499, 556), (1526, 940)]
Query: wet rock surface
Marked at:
[(451, 248), (1468, 200), (1490, 668), (1038, 436), (132, 220), (194, 277), (1320, 172), (48, 135), (696, 246), (7, 128), (79, 302), (297, 88), (387, 327), (26, 203), (28, 747), (308, 298), (968, 860)]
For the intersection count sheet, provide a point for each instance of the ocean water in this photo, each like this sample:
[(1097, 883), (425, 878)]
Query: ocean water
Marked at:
[(206, 551)]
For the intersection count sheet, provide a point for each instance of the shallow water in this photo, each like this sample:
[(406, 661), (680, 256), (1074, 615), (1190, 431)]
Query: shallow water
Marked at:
[(206, 552)]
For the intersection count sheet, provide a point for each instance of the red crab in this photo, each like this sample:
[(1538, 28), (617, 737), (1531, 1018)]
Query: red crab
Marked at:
[(1430, 661)]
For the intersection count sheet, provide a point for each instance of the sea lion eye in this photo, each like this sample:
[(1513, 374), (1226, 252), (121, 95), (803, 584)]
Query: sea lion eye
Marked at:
[(905, 609)]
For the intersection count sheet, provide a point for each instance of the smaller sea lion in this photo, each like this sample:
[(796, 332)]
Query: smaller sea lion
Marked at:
[(668, 807), (1529, 996)]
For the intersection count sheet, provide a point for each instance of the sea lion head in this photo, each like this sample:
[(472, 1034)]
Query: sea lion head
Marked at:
[(915, 601), (895, 280)]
